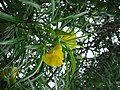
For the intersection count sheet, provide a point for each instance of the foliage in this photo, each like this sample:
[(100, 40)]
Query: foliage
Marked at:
[(31, 28)]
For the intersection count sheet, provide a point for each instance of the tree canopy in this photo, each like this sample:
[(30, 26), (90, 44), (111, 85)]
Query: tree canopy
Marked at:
[(59, 45)]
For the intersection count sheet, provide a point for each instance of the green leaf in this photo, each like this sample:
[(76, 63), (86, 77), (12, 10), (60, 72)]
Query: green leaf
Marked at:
[(33, 4), (69, 2), (73, 61), (12, 41), (10, 18), (53, 7), (60, 32), (70, 17), (67, 76), (53, 34), (31, 84), (32, 46)]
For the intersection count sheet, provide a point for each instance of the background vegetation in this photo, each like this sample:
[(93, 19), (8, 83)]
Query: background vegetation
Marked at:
[(27, 31)]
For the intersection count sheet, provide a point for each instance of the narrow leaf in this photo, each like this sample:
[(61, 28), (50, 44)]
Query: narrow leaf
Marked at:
[(33, 4), (12, 41), (10, 18), (70, 17), (67, 76), (53, 8), (73, 61)]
